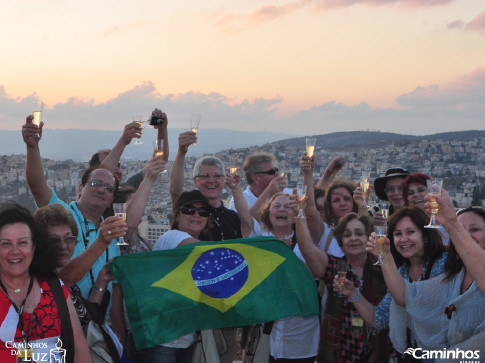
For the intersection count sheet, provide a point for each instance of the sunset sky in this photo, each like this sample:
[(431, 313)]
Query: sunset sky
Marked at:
[(298, 67)]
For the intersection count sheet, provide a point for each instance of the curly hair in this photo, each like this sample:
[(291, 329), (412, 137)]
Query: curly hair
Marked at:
[(44, 260), (55, 215), (433, 244), (339, 230), (330, 217)]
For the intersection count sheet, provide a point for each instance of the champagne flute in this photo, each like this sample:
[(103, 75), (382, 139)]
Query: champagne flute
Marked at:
[(310, 145), (301, 201), (138, 120), (434, 190), (120, 211), (37, 108), (384, 208), (158, 149), (194, 123), (233, 161), (365, 185), (342, 275), (381, 232)]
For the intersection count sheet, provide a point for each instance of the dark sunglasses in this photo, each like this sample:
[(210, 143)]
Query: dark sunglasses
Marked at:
[(269, 172), (190, 210)]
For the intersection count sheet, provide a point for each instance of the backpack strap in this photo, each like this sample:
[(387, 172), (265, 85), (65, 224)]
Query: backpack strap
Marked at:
[(67, 336)]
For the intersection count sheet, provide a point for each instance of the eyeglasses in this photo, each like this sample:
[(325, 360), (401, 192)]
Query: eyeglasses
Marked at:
[(268, 172), (208, 176), (398, 189), (98, 183), (190, 210), (68, 240)]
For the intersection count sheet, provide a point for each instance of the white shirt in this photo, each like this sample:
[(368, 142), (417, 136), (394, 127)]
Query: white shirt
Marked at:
[(168, 241), (296, 336), (333, 249)]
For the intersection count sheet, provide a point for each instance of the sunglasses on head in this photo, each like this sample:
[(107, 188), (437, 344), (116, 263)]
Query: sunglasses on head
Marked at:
[(190, 210), (269, 172), (470, 209)]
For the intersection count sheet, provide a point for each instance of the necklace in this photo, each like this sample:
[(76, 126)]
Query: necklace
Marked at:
[(20, 309), (14, 290)]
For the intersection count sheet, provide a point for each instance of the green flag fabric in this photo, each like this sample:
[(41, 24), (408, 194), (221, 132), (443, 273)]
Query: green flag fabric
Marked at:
[(207, 285)]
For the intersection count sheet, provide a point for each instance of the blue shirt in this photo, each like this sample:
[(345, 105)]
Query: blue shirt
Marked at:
[(88, 233)]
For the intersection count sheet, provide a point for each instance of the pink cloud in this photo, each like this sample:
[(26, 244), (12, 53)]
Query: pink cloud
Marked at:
[(237, 22), (477, 23)]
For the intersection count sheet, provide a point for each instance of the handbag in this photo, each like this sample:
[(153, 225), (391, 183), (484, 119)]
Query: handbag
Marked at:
[(102, 346), (258, 350)]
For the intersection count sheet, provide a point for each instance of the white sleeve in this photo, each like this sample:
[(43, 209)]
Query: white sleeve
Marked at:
[(170, 240)]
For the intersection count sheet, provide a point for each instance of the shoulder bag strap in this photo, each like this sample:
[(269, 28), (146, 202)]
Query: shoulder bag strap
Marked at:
[(66, 327)]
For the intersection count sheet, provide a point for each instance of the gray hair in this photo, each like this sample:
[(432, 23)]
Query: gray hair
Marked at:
[(208, 160), (253, 163)]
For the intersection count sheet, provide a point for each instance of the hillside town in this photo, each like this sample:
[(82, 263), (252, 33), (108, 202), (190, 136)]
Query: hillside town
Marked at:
[(460, 163)]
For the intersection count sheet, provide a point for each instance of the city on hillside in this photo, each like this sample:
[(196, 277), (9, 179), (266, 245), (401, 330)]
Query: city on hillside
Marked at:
[(460, 163)]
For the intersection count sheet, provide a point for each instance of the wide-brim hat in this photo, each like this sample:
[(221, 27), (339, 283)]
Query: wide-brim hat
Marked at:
[(190, 197), (380, 183)]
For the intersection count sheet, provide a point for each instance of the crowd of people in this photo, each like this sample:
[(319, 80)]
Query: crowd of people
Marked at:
[(425, 301)]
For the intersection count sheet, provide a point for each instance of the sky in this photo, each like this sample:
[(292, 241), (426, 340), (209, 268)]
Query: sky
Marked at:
[(300, 67)]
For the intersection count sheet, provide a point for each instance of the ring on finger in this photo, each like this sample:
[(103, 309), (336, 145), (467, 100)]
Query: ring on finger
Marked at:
[(109, 233)]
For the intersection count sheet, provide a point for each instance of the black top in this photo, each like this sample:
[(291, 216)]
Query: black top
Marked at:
[(225, 225)]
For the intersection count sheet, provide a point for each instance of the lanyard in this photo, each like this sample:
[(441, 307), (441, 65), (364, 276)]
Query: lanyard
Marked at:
[(19, 309)]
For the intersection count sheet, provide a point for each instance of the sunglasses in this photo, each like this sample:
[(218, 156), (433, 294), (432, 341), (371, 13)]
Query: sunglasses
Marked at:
[(268, 172), (190, 210)]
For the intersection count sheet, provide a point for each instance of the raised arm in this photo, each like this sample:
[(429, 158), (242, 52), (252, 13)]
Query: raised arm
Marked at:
[(75, 269), (314, 220), (136, 208), (131, 131), (242, 209), (471, 253), (331, 170), (177, 171), (392, 276), (34, 171), (315, 258)]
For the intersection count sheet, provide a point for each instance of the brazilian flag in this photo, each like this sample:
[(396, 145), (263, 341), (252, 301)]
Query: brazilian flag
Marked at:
[(207, 285)]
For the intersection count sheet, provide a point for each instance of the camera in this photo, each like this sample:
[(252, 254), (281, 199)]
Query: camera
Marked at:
[(156, 120)]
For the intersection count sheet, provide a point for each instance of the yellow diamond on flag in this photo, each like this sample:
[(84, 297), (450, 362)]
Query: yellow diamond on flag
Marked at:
[(260, 264)]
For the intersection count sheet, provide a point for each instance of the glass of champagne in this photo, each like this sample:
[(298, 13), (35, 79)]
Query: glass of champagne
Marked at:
[(158, 149), (434, 190), (120, 211), (384, 208), (138, 120), (233, 161), (381, 232), (342, 267), (365, 185), (37, 108), (310, 145), (301, 201), (194, 123)]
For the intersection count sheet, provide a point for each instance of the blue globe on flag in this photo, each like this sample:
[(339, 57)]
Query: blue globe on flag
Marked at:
[(220, 272)]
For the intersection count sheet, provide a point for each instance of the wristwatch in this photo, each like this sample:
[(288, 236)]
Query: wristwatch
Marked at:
[(100, 289)]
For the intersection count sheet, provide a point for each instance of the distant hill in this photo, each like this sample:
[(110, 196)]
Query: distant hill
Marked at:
[(359, 139), (81, 144)]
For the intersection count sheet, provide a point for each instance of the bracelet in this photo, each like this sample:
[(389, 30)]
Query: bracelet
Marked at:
[(100, 289), (355, 298)]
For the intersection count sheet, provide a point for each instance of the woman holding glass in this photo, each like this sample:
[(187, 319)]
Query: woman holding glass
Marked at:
[(449, 311), (417, 250), (292, 339), (415, 191)]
